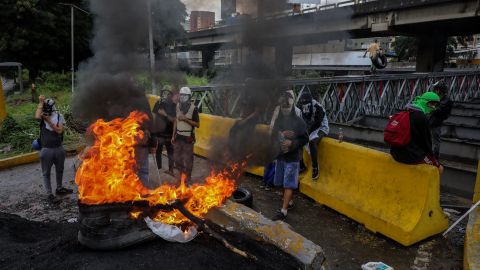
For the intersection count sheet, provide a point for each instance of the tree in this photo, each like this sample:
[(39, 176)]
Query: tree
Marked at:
[(36, 33), (405, 47)]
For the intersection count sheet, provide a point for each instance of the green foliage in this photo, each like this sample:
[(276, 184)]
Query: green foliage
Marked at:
[(54, 82), (405, 47), (37, 34), (196, 81)]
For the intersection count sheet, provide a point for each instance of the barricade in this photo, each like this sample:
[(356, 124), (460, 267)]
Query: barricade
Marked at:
[(471, 253)]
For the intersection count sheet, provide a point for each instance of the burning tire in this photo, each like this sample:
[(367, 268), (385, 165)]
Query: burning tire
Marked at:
[(243, 196)]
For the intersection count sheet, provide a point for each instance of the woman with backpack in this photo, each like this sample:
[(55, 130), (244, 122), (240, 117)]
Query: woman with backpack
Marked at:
[(51, 139), (408, 132)]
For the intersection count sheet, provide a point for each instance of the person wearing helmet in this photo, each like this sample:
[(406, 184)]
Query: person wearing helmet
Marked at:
[(183, 137), (164, 113), (419, 149), (441, 114), (51, 139), (289, 135)]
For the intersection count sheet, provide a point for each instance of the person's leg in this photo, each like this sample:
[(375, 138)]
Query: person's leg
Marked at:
[(436, 141), (177, 153), (158, 154), (290, 183), (188, 160), (314, 154), (287, 197), (170, 153), (279, 171), (59, 165), (46, 161)]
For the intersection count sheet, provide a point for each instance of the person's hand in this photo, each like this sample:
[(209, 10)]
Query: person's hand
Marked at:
[(182, 117), (286, 146), (441, 169), (162, 112), (173, 140), (41, 99), (288, 134)]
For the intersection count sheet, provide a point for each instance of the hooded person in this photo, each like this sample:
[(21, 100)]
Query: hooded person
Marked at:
[(419, 149), (316, 119), (183, 137), (289, 135), (441, 114)]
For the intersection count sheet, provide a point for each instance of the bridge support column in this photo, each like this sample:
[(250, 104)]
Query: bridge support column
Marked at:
[(431, 52), (283, 59), (208, 57)]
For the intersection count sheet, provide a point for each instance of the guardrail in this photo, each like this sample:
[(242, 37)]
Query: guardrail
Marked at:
[(349, 98)]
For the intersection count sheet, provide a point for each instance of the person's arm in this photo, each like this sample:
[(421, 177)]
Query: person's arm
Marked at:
[(58, 128), (174, 132), (38, 112), (194, 122), (301, 137)]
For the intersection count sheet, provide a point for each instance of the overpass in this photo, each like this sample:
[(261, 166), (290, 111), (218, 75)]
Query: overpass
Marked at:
[(431, 21)]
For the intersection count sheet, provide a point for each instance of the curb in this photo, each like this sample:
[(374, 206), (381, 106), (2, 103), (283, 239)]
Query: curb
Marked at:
[(246, 220), (28, 158)]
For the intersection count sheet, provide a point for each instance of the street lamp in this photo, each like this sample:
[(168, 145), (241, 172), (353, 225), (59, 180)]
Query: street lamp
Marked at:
[(150, 43), (72, 7)]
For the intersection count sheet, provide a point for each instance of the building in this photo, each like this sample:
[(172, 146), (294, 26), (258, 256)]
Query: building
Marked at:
[(201, 20)]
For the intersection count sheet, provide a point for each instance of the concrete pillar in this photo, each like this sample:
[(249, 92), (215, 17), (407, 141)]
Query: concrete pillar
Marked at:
[(431, 52), (3, 108), (283, 59), (208, 57)]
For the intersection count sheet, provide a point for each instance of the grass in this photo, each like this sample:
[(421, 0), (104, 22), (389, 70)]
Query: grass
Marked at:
[(21, 128)]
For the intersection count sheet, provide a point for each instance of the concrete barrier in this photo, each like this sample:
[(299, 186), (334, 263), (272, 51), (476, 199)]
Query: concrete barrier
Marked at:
[(399, 201), (472, 234)]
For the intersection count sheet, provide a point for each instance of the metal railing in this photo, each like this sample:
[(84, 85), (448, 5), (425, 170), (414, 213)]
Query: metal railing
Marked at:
[(346, 99)]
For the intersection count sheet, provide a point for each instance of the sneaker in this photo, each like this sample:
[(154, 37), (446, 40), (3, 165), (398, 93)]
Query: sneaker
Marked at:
[(63, 191), (290, 205), (52, 199), (315, 173), (279, 216)]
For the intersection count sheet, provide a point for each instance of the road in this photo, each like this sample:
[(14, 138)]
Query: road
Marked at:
[(42, 238)]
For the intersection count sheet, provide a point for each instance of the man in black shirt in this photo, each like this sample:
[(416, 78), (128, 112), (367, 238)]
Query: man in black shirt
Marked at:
[(164, 113), (419, 149)]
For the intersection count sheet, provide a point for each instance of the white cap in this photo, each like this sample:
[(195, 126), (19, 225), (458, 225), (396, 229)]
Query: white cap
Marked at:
[(185, 91)]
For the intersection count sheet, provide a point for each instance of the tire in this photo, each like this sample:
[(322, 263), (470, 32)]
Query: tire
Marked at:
[(243, 196), (380, 61)]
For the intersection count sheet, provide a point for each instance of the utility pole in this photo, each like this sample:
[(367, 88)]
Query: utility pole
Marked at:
[(152, 53), (72, 37)]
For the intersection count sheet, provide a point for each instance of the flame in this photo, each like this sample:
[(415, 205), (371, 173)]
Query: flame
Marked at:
[(108, 174)]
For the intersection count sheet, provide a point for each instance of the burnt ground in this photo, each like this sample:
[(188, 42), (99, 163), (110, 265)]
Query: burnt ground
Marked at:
[(39, 236)]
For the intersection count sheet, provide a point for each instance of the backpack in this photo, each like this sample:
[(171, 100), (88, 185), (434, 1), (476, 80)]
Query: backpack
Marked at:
[(397, 132)]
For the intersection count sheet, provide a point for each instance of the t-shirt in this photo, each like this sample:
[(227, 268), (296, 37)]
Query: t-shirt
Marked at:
[(373, 49), (163, 126)]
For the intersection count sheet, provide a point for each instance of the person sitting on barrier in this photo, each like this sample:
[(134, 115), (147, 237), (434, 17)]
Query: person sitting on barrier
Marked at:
[(418, 148), (316, 119), (183, 138), (372, 50), (289, 136), (164, 113), (441, 114)]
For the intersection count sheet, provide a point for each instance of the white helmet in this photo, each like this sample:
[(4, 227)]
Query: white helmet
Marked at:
[(185, 91)]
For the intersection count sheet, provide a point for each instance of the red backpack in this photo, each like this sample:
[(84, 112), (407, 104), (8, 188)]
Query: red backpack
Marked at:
[(397, 132)]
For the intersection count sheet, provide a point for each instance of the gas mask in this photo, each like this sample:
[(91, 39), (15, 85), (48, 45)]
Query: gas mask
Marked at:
[(286, 104), (184, 98), (48, 107)]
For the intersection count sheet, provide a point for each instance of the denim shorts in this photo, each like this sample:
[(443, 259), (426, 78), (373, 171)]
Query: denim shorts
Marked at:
[(286, 174)]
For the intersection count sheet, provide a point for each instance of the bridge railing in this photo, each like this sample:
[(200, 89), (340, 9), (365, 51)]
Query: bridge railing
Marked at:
[(348, 98)]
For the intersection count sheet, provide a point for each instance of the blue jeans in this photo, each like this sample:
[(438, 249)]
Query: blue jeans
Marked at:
[(286, 174)]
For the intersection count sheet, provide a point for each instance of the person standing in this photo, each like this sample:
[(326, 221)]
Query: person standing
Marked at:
[(164, 113), (51, 139), (441, 114), (183, 136), (289, 135), (316, 119)]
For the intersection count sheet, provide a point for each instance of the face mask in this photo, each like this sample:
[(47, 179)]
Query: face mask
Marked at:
[(184, 98), (307, 108)]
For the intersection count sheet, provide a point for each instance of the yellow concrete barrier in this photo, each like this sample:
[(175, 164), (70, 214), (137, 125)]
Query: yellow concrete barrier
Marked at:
[(18, 160), (471, 253), (3, 108), (399, 201)]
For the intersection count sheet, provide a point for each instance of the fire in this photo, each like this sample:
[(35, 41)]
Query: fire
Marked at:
[(108, 174)]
